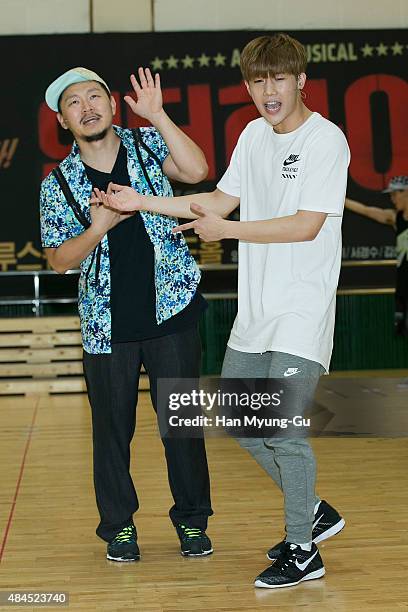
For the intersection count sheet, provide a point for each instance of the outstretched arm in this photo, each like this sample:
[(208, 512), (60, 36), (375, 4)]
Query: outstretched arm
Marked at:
[(126, 199), (381, 215), (300, 227), (186, 161), (209, 211)]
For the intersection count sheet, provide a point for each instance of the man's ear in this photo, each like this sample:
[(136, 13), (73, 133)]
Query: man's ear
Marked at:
[(301, 80), (113, 105), (62, 122), (247, 88)]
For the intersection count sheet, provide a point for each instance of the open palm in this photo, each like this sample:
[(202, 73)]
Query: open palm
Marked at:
[(149, 99)]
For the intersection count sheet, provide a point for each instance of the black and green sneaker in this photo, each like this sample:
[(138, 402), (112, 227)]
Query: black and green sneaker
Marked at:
[(124, 546), (194, 542)]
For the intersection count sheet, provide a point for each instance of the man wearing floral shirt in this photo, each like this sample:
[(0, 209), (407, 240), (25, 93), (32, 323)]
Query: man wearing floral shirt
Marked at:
[(138, 300)]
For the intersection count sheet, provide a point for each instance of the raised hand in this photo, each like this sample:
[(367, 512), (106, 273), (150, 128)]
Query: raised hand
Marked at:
[(209, 226), (149, 99)]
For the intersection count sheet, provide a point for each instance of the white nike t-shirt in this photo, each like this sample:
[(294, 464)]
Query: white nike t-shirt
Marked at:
[(287, 291)]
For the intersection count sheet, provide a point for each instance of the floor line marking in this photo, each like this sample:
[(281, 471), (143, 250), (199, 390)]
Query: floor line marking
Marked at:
[(20, 477)]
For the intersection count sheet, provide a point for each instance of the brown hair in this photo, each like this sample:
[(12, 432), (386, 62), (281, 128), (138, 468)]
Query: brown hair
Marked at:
[(271, 55)]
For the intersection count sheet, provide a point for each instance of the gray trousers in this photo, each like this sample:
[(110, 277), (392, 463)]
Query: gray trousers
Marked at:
[(290, 462)]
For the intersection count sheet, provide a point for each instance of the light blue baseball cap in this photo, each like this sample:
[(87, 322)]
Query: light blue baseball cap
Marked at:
[(75, 75)]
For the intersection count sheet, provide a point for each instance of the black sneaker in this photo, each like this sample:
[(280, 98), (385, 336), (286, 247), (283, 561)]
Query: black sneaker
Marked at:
[(291, 567), (194, 542), (327, 523), (124, 546)]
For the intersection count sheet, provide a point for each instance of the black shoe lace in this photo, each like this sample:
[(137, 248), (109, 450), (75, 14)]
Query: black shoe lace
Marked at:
[(285, 558)]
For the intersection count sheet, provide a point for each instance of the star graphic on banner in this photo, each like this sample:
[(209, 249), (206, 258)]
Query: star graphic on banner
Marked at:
[(382, 49), (397, 49), (204, 60), (219, 59), (188, 61), (157, 63), (367, 50), (172, 62)]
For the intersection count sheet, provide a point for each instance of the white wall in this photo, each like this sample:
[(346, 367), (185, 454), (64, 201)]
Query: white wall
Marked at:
[(279, 14), (122, 15), (57, 16), (43, 16)]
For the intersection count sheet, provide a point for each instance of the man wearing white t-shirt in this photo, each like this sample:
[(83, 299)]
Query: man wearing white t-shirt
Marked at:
[(288, 172)]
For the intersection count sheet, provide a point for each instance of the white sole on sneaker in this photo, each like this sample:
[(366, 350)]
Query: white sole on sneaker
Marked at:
[(312, 576), (330, 532), (203, 554), (120, 560)]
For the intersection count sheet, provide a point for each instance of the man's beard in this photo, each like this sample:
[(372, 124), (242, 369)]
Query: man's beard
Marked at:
[(96, 137)]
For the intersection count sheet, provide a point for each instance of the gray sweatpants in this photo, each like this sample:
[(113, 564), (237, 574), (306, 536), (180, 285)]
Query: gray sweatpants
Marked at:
[(290, 462)]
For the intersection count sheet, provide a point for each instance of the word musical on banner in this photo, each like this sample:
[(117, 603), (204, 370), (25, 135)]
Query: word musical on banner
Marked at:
[(316, 53)]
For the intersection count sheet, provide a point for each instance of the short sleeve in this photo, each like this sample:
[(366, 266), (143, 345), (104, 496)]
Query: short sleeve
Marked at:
[(54, 215), (325, 175), (230, 183), (155, 141)]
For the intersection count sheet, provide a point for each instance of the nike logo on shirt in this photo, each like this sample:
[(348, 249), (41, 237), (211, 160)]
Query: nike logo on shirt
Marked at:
[(291, 160)]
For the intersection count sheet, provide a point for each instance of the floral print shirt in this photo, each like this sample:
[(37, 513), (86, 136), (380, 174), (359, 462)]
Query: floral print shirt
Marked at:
[(176, 272)]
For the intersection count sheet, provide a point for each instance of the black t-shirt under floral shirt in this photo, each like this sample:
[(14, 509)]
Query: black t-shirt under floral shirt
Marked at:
[(131, 253)]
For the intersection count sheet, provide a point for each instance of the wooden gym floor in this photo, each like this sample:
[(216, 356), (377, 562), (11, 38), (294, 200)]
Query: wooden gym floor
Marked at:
[(48, 517)]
